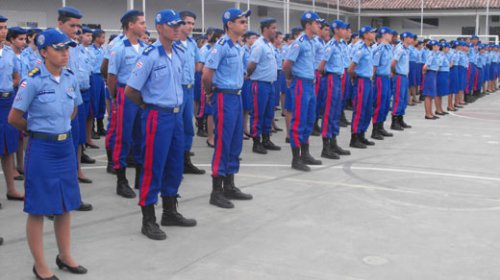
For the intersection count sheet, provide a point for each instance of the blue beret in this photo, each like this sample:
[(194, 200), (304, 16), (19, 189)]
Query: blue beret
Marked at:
[(86, 29), (53, 38), (404, 35), (169, 17), (308, 15), (474, 37), (296, 29), (17, 30), (268, 21), (3, 19), (234, 13), (129, 14), (70, 12), (340, 24)]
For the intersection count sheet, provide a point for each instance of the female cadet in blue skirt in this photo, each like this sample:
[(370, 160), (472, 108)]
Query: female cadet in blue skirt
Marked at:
[(454, 57), (430, 70), (49, 96), (9, 136), (443, 78)]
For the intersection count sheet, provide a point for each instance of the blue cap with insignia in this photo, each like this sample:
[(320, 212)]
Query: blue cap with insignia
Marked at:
[(3, 19), (234, 13), (69, 12), (433, 43), (310, 16), (404, 35), (17, 30), (130, 14), (384, 30), (169, 17), (53, 38), (444, 45), (339, 24), (474, 37), (365, 29)]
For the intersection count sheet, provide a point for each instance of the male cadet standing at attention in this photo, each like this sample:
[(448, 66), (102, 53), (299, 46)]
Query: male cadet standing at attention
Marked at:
[(68, 22), (382, 85), (122, 60), (222, 81), (400, 68), (332, 64), (320, 41), (361, 71), (156, 86), (299, 72), (190, 65), (262, 69)]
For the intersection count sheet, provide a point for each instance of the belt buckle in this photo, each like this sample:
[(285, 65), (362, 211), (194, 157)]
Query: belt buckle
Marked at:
[(238, 92), (176, 109), (189, 86), (62, 137), (5, 94)]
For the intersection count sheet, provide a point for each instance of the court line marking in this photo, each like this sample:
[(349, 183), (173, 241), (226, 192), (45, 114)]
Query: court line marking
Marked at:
[(472, 118)]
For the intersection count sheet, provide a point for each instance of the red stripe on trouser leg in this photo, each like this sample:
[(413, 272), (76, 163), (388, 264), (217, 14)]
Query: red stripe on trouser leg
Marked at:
[(398, 96), (476, 78), (326, 115), (359, 106), (220, 125), (255, 94), (298, 100), (378, 81), (120, 99), (151, 124), (468, 80)]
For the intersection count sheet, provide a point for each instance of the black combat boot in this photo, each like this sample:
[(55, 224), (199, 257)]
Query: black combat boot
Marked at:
[(306, 157), (384, 132), (258, 148), (395, 125), (232, 192), (201, 128), (217, 197), (149, 226), (402, 122), (356, 142), (327, 151), (189, 167), (171, 217), (376, 134), (365, 141), (268, 144), (297, 162), (337, 149), (109, 166), (122, 187)]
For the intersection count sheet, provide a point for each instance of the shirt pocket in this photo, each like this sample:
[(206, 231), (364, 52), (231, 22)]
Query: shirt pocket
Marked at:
[(46, 97), (130, 60), (160, 71)]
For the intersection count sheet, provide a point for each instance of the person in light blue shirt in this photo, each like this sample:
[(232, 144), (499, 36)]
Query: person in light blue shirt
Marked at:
[(262, 69), (320, 41), (430, 79), (30, 58), (222, 81), (156, 86), (97, 86), (412, 74), (382, 83), (361, 71), (248, 40), (190, 65), (443, 78), (126, 134), (454, 58), (300, 73)]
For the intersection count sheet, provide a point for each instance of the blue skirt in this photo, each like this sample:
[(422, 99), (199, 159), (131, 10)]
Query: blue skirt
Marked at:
[(454, 80), (419, 73), (9, 135), (443, 83), (412, 75), (462, 78), (51, 184), (430, 86)]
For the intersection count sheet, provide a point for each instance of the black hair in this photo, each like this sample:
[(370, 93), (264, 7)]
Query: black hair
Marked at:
[(303, 23), (131, 19), (185, 14), (295, 33), (64, 18), (111, 37), (266, 24), (217, 33), (12, 34), (97, 34)]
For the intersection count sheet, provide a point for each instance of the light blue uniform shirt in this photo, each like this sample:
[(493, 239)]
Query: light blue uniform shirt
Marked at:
[(85, 66), (433, 61), (472, 56), (363, 57), (301, 53), (47, 102), (420, 56), (99, 57), (319, 48), (226, 58), (402, 56), (123, 59), (463, 59), (279, 58), (29, 60), (346, 58), (117, 40), (204, 54), (246, 55), (8, 66), (158, 77), (333, 57), (262, 53), (444, 65), (413, 53), (382, 59), (191, 57)]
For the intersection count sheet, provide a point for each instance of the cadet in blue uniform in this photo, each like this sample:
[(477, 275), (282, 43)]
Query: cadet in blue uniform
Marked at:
[(332, 66), (443, 78), (49, 97), (400, 68), (97, 86), (382, 89), (430, 84), (299, 72), (463, 64), (320, 41), (412, 75), (9, 136), (361, 71), (156, 86), (122, 60), (262, 70), (191, 64), (346, 86), (471, 71), (248, 39), (30, 58), (454, 57), (222, 81)]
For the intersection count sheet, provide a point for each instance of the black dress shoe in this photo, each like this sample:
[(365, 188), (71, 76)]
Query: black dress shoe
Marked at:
[(210, 145), (1, 241), (16, 198), (85, 207), (53, 277), (92, 146), (440, 113), (19, 177), (86, 159), (75, 270), (431, 118), (84, 180)]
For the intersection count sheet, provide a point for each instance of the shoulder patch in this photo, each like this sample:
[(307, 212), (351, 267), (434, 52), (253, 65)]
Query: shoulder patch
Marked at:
[(35, 72), (148, 50), (221, 42), (70, 71), (180, 47), (301, 38)]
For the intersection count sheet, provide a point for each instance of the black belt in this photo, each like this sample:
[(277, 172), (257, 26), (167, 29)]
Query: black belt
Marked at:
[(5, 94), (164, 109), (263, 82), (304, 79), (188, 86), (228, 91), (49, 136), (383, 76), (401, 75)]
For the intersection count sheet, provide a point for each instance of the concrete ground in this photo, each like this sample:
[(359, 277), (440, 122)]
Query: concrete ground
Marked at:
[(421, 205)]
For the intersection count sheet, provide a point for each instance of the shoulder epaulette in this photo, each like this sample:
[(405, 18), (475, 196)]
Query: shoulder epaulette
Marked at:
[(70, 71), (35, 72), (148, 49), (180, 47), (301, 38), (221, 42)]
